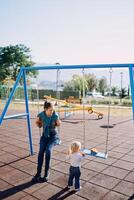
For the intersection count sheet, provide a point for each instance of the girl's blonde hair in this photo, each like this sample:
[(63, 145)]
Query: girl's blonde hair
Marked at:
[(75, 147)]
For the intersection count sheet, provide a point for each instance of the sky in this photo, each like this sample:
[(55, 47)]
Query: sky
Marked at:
[(70, 31)]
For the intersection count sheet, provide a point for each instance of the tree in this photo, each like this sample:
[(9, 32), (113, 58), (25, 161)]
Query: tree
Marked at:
[(102, 85), (68, 86), (11, 58), (76, 84), (128, 91), (4, 72), (123, 93), (91, 82), (114, 91)]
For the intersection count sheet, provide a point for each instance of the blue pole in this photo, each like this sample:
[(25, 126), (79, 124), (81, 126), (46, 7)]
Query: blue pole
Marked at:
[(10, 96), (52, 67), (28, 114), (131, 75)]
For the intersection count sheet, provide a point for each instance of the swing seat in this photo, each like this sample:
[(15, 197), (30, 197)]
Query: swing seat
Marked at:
[(57, 141), (95, 153)]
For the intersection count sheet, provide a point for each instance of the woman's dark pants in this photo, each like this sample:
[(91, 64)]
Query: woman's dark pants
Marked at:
[(46, 145)]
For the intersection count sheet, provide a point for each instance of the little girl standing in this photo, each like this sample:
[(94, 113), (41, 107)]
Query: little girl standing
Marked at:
[(75, 160)]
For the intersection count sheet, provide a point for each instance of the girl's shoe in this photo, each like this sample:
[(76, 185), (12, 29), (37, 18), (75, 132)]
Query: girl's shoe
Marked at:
[(78, 189)]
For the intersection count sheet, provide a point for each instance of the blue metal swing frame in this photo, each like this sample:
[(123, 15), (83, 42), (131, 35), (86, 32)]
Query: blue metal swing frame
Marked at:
[(22, 74)]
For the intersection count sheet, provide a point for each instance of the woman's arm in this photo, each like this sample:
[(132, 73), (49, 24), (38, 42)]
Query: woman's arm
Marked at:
[(57, 122), (38, 122)]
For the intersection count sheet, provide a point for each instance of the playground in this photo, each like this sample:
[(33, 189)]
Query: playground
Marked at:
[(111, 178), (107, 174), (67, 100)]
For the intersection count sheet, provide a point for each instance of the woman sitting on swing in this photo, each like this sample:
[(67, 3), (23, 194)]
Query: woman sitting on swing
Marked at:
[(47, 119)]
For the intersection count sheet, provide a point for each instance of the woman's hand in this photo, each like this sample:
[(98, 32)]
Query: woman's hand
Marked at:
[(39, 123), (57, 123)]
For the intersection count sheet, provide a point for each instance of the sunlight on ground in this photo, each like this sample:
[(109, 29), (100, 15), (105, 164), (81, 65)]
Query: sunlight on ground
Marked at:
[(114, 110)]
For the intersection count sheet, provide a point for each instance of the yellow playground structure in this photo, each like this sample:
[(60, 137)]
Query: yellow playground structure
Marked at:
[(72, 107)]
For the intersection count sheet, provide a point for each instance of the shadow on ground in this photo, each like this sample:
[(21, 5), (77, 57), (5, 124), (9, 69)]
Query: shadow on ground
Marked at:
[(63, 194), (11, 191)]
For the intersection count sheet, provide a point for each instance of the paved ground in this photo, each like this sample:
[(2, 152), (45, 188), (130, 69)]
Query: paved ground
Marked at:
[(110, 179)]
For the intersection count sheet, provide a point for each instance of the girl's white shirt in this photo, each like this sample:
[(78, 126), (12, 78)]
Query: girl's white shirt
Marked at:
[(75, 159)]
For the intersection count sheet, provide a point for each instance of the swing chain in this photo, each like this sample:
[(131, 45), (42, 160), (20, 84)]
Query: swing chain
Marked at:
[(58, 98), (109, 109), (37, 88), (83, 103)]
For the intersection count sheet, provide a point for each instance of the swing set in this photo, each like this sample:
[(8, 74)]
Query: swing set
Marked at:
[(22, 74)]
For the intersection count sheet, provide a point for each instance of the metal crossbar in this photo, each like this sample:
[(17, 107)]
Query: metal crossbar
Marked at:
[(15, 116)]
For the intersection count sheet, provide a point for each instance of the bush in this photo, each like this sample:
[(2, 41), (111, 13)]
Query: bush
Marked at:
[(105, 102), (127, 103), (116, 102), (127, 97), (100, 101), (93, 101)]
